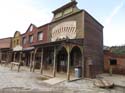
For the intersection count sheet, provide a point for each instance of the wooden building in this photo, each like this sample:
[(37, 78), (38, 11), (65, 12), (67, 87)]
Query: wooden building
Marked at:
[(5, 50), (17, 47), (74, 39), (28, 38)]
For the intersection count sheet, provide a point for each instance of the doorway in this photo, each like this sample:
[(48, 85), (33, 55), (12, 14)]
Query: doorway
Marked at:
[(62, 60)]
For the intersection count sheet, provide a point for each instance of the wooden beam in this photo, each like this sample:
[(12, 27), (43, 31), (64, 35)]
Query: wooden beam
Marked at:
[(34, 59), (41, 68), (20, 61), (68, 67), (54, 64), (83, 64), (31, 65), (14, 58)]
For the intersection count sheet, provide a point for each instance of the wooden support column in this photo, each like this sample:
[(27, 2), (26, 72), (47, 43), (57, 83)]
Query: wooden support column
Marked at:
[(7, 58), (14, 59), (41, 68), (20, 59), (83, 64), (34, 59), (54, 63), (0, 55), (31, 61), (68, 65)]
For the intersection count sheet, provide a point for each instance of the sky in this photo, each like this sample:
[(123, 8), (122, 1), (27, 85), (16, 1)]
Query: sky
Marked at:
[(17, 15)]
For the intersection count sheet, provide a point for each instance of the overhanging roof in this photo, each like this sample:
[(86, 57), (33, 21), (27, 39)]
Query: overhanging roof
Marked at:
[(17, 48), (28, 49), (56, 43)]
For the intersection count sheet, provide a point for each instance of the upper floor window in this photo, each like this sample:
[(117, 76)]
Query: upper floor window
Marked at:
[(14, 43), (58, 15), (30, 38), (40, 36), (17, 41), (67, 11), (24, 41)]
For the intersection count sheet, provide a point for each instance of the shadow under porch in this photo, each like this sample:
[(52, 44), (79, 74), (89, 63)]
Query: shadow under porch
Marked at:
[(59, 60)]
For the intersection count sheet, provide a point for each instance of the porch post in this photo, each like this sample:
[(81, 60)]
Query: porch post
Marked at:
[(14, 56), (19, 61), (0, 55), (20, 57), (34, 59), (31, 61), (41, 68), (54, 63), (83, 65), (68, 67), (7, 60)]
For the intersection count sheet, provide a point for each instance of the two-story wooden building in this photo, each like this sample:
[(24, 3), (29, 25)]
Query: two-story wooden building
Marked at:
[(17, 46), (74, 39)]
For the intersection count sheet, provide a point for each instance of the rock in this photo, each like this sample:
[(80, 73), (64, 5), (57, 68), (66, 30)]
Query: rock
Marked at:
[(102, 83)]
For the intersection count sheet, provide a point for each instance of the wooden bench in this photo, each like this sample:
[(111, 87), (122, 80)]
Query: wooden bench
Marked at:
[(15, 64)]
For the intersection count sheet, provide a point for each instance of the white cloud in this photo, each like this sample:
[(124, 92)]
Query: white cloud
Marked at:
[(113, 34), (113, 13), (17, 15)]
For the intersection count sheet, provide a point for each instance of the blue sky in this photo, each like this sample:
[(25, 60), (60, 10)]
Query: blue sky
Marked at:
[(18, 14)]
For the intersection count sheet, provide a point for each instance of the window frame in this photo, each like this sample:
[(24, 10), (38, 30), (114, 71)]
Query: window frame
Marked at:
[(58, 15), (24, 41), (39, 36), (113, 62), (30, 38), (68, 11)]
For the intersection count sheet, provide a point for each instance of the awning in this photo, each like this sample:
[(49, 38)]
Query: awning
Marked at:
[(28, 49), (17, 48)]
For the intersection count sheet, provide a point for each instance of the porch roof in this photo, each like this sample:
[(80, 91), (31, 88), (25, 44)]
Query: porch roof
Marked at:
[(28, 49), (17, 48), (56, 43), (5, 43)]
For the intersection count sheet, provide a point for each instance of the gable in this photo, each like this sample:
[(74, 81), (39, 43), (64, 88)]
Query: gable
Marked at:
[(17, 34)]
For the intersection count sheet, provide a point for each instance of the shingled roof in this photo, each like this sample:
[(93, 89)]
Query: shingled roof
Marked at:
[(5, 43)]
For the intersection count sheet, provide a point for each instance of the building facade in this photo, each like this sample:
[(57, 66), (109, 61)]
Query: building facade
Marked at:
[(5, 50), (28, 38), (17, 46), (72, 40)]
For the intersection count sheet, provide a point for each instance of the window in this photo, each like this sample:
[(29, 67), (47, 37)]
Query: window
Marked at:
[(14, 43), (24, 40), (40, 36), (113, 62), (30, 38), (67, 11), (58, 15), (17, 41)]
